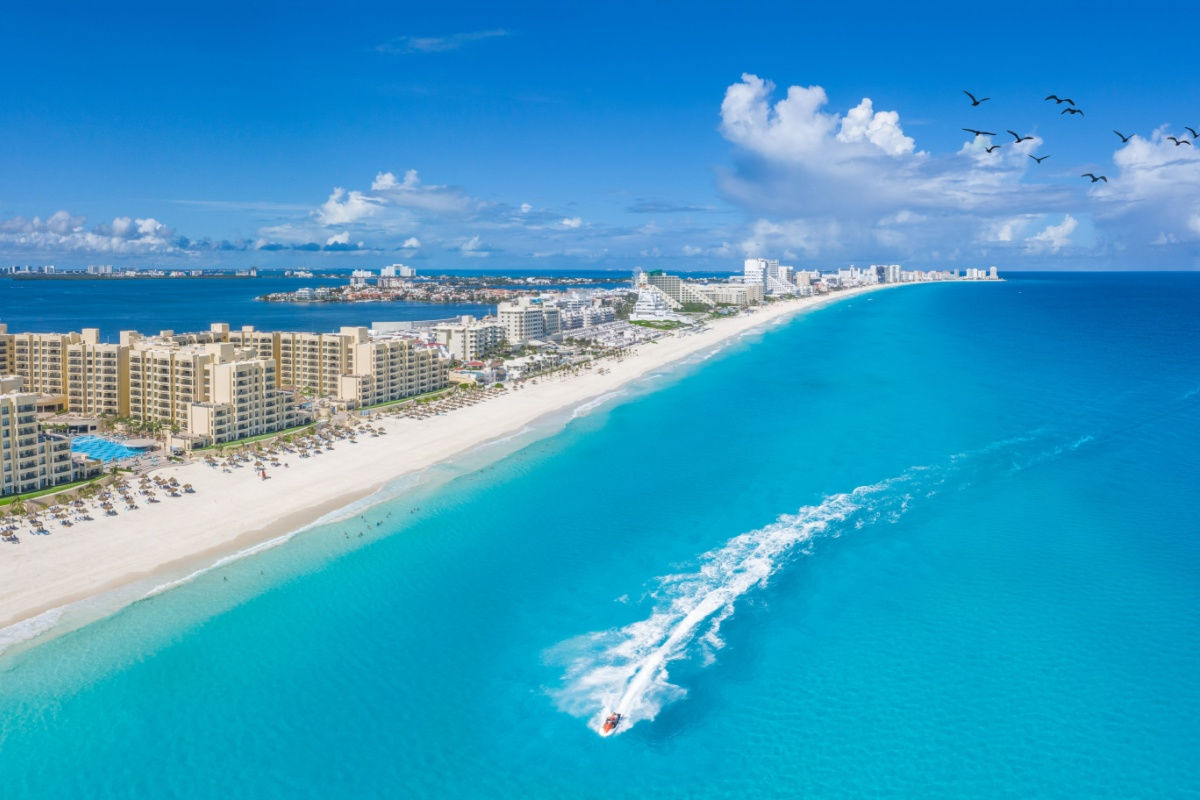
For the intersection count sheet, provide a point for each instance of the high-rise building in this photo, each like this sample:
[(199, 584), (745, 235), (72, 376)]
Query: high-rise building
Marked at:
[(30, 459), (470, 338), (774, 279), (97, 376), (529, 318)]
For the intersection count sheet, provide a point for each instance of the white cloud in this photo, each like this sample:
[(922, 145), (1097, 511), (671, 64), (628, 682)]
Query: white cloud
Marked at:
[(856, 186), (1054, 237), (474, 248), (411, 243), (880, 128), (526, 208), (571, 222), (339, 238), (344, 208), (66, 232)]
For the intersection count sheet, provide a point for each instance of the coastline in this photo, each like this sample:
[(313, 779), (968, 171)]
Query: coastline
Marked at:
[(78, 575)]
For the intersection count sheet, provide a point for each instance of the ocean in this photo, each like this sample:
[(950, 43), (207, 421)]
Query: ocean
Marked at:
[(937, 541)]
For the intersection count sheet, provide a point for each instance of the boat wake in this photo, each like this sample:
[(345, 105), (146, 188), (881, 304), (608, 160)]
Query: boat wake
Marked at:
[(626, 671)]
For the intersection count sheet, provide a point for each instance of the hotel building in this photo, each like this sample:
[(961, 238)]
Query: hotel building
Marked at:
[(529, 318), (469, 338), (29, 458)]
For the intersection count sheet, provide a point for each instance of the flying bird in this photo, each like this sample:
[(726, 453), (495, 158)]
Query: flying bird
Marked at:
[(1071, 111), (1040, 160), (1179, 141), (1020, 139), (1192, 131), (979, 133), (1094, 177), (1124, 138), (1060, 100), (993, 147), (975, 102)]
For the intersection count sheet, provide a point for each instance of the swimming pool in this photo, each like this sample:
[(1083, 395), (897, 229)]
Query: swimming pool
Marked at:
[(103, 449)]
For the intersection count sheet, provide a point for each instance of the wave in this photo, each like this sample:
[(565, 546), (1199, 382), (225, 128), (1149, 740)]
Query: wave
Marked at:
[(583, 409), (626, 670)]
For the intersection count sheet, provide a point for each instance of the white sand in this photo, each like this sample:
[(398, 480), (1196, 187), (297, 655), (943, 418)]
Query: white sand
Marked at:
[(232, 511)]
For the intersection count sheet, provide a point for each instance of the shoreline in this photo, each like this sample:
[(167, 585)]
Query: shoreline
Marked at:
[(79, 575)]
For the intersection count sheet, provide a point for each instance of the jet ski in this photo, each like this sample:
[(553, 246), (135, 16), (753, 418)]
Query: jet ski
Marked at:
[(610, 724)]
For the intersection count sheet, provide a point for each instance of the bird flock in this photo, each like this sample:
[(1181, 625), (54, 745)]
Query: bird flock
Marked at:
[(1071, 110)]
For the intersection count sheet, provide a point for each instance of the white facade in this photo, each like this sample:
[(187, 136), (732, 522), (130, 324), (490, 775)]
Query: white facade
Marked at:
[(652, 305), (470, 339)]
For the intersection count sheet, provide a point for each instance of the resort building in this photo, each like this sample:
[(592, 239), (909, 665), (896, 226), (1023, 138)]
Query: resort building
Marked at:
[(97, 376), (741, 295), (471, 338), (6, 351), (30, 459), (166, 378), (653, 305), (529, 318), (313, 363), (386, 367), (680, 291), (767, 273), (241, 400), (41, 359)]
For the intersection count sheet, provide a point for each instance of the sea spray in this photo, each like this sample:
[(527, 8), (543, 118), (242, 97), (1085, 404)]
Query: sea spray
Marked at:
[(626, 671)]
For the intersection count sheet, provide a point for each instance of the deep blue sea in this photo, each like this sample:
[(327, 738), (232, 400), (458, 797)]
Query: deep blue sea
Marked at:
[(937, 542)]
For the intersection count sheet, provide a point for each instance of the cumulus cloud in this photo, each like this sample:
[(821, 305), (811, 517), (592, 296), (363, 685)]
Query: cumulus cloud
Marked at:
[(571, 222), (343, 208), (854, 184), (339, 238), (881, 128), (66, 232), (411, 243), (1054, 237), (1154, 195)]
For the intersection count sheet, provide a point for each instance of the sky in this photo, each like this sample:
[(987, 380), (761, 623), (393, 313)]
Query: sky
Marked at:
[(604, 136)]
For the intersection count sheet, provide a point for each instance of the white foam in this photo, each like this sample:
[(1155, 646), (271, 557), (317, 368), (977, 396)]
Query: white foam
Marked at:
[(30, 628), (626, 671), (583, 409)]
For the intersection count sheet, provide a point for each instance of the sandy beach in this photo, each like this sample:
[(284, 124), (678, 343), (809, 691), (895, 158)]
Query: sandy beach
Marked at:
[(231, 511)]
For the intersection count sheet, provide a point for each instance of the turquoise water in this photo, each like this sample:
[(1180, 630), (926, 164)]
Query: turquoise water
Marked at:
[(103, 449), (936, 543)]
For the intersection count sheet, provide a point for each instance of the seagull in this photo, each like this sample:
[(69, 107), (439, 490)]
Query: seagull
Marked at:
[(1020, 139), (1094, 177), (993, 147), (1060, 100), (979, 133), (1124, 138), (1192, 131), (1179, 141), (975, 102), (1071, 111), (1043, 158)]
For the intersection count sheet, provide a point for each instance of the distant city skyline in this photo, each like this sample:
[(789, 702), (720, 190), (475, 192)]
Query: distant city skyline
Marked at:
[(531, 137)]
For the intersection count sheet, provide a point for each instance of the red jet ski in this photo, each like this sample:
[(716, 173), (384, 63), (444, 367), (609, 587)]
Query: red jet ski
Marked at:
[(610, 724)]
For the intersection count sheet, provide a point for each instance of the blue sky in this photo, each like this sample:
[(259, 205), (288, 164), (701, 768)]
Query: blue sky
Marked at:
[(615, 135)]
